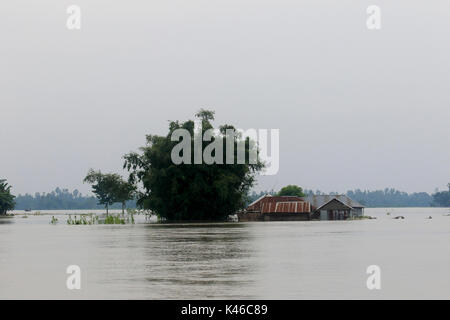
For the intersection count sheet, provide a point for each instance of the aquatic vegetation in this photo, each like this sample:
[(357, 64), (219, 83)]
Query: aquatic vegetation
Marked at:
[(147, 213), (114, 219), (120, 218), (84, 219), (133, 211), (91, 219)]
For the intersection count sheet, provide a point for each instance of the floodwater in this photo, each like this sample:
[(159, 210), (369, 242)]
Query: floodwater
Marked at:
[(259, 260)]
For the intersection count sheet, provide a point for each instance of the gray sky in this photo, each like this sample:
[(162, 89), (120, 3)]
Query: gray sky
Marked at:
[(356, 108)]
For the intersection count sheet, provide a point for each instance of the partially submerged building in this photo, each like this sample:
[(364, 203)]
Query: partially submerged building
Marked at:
[(334, 207), (292, 208), (277, 208)]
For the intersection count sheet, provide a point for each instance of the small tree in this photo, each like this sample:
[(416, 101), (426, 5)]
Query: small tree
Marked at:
[(7, 202), (110, 188), (104, 186), (124, 191), (291, 190)]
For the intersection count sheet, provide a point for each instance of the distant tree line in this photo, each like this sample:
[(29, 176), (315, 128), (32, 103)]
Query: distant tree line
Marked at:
[(391, 198), (442, 198), (378, 198), (63, 199)]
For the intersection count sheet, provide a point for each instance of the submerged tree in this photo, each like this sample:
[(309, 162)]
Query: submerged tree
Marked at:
[(6, 198), (124, 192), (191, 190), (291, 190), (109, 188)]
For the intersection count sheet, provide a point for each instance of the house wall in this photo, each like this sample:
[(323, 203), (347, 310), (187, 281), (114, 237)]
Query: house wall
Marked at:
[(357, 212), (286, 217), (257, 216)]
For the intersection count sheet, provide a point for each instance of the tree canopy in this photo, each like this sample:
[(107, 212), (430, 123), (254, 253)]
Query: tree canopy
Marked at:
[(191, 191), (7, 202), (291, 190), (124, 192), (109, 188)]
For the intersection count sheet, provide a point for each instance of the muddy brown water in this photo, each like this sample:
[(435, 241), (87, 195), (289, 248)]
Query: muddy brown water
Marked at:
[(258, 260)]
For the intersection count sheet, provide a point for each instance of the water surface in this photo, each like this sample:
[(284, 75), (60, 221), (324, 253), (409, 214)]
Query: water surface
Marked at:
[(259, 260)]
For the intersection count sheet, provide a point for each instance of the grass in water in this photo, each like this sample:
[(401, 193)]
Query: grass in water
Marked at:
[(83, 219), (90, 219)]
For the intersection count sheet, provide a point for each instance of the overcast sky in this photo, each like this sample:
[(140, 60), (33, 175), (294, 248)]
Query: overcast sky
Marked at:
[(356, 108)]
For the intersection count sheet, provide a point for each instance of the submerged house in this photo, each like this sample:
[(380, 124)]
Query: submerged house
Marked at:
[(277, 208), (334, 207), (292, 208)]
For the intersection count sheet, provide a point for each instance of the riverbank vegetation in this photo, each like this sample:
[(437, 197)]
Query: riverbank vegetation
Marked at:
[(7, 202), (91, 219)]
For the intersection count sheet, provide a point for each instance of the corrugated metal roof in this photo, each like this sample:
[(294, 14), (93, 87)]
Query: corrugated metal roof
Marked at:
[(285, 207), (319, 200), (259, 199), (282, 204)]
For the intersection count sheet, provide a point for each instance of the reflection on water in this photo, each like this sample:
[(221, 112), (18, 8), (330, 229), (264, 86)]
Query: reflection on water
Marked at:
[(198, 260), (6, 220), (274, 260)]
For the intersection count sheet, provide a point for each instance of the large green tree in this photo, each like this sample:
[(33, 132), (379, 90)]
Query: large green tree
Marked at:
[(291, 190), (6, 198), (188, 191)]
